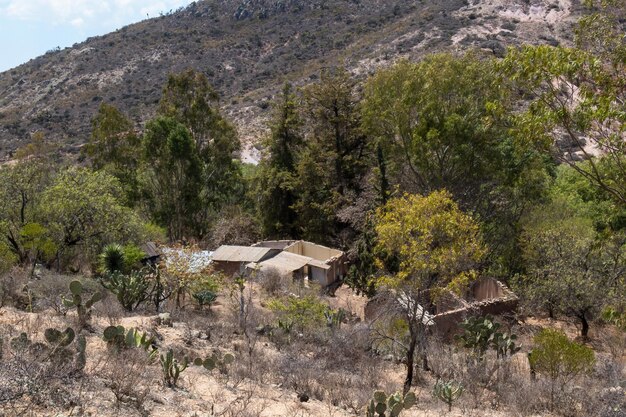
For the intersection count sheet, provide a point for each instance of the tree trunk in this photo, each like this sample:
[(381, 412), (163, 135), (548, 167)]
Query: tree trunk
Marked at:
[(584, 332), (410, 355)]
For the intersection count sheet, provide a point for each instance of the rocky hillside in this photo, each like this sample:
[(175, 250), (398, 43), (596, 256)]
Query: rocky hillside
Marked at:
[(248, 48)]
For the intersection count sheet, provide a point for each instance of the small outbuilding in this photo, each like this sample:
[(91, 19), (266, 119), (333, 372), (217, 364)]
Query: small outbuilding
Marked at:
[(232, 260)]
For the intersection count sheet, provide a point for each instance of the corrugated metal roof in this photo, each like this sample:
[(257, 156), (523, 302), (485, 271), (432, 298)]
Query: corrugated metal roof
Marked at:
[(239, 254)]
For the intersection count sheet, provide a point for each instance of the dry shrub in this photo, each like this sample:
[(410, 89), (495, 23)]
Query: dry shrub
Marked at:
[(128, 375), (523, 396), (234, 227), (338, 371), (14, 289), (30, 379), (245, 405), (109, 308), (273, 281), (49, 291)]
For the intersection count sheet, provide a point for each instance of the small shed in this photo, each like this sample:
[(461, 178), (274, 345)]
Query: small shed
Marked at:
[(232, 260)]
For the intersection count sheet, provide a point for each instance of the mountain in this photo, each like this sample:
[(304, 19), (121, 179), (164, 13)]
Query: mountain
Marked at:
[(248, 48)]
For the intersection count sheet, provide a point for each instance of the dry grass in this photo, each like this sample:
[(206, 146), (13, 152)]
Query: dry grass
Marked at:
[(334, 370)]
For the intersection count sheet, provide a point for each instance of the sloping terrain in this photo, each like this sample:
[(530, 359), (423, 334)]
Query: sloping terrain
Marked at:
[(248, 48)]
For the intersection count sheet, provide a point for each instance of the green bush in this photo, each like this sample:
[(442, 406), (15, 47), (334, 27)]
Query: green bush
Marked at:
[(614, 317), (205, 298), (559, 359), (302, 312)]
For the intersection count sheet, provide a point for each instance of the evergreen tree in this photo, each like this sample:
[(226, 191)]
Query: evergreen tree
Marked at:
[(115, 147), (332, 169), (189, 99), (172, 178), (276, 178)]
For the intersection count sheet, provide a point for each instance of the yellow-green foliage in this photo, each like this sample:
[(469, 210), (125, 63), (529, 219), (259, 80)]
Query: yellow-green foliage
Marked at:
[(7, 258), (303, 312), (430, 237), (555, 356)]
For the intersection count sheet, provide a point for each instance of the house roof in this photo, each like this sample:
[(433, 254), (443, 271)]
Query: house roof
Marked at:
[(151, 250), (289, 262), (239, 254), (286, 261)]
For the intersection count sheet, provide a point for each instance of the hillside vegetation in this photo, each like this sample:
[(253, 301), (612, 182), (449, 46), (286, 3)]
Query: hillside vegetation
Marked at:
[(248, 49), (433, 175)]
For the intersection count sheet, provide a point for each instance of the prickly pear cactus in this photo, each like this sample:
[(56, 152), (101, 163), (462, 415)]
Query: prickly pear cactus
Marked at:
[(382, 405), (216, 361), (20, 343), (58, 338), (448, 392), (59, 347), (171, 368), (83, 308), (118, 338)]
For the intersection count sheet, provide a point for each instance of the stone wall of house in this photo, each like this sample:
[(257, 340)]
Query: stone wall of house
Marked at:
[(454, 310)]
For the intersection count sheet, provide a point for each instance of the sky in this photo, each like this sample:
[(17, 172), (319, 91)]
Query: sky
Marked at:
[(29, 28)]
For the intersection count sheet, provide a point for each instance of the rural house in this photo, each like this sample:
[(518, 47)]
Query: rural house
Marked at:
[(299, 259)]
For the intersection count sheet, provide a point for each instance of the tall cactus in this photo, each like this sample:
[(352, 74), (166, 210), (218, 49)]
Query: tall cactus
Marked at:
[(172, 368), (76, 300), (392, 406), (448, 392)]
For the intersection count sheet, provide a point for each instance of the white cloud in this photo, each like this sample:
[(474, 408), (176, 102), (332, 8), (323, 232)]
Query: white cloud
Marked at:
[(86, 12)]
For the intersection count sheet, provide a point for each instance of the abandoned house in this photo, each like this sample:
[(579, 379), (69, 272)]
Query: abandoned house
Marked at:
[(299, 259), (485, 296), (232, 260)]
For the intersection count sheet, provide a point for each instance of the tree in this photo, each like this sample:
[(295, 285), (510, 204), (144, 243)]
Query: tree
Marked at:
[(172, 178), (318, 201), (571, 268), (189, 99), (444, 123), (561, 360), (577, 98), (335, 159), (38, 244), (435, 248), (276, 179), (21, 186), (362, 274), (115, 147), (439, 120), (83, 209), (333, 122)]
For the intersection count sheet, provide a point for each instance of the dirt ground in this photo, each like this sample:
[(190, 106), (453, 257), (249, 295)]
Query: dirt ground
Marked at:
[(203, 393)]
